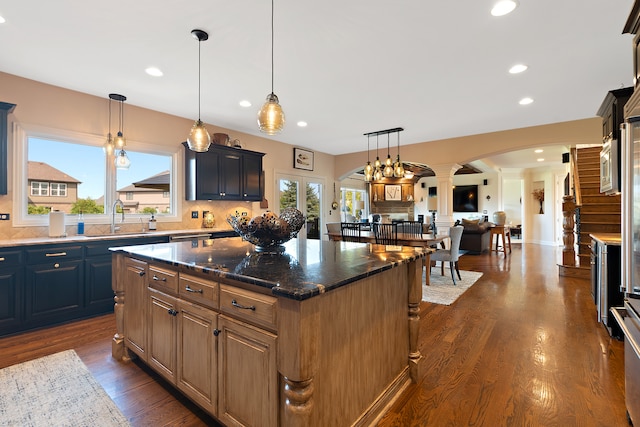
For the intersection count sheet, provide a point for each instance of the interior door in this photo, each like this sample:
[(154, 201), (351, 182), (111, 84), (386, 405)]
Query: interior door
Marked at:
[(306, 195)]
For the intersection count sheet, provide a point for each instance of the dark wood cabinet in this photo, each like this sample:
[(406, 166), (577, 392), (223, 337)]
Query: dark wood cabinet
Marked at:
[(612, 112), (11, 278), (223, 173)]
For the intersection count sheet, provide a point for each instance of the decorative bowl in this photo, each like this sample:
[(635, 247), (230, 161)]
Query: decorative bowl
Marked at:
[(268, 231)]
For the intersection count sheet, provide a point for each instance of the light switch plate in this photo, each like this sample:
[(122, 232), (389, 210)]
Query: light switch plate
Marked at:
[(4, 217), (194, 214)]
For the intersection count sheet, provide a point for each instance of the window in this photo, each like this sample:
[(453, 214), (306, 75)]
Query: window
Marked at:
[(350, 199), (39, 188), (73, 173), (58, 189)]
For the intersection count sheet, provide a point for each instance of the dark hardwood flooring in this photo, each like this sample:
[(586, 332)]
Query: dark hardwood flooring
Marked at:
[(520, 348)]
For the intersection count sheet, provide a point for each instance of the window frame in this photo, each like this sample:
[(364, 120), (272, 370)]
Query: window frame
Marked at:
[(22, 189)]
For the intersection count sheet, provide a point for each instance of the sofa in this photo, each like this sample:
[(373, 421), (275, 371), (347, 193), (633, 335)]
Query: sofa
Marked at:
[(476, 236)]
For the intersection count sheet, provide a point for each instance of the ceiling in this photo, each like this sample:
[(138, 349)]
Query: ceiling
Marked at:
[(439, 69)]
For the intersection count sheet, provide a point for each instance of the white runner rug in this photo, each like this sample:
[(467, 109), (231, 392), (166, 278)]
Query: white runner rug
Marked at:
[(55, 390), (442, 290)]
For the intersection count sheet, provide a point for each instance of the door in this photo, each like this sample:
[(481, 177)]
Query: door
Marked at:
[(163, 331), (306, 195)]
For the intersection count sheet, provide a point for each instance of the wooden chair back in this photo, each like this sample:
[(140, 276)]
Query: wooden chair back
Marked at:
[(350, 231), (386, 234)]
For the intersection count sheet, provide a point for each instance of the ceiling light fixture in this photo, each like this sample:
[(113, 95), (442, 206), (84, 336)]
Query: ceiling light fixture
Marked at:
[(398, 167), (154, 71), (121, 161), (302, 124), (108, 145), (199, 139), (503, 7), (539, 150), (271, 117), (244, 103), (525, 101), (388, 164), (377, 171), (518, 68), (368, 169)]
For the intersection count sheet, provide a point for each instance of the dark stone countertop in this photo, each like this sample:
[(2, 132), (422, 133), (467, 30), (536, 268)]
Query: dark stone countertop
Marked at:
[(305, 269)]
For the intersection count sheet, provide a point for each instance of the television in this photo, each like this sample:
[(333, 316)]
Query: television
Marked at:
[(465, 198)]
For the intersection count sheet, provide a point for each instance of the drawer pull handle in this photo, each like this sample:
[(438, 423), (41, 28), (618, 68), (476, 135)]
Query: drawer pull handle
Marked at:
[(141, 273), (190, 289), (172, 312), (156, 278), (56, 265), (57, 254), (2, 259), (216, 332), (244, 307)]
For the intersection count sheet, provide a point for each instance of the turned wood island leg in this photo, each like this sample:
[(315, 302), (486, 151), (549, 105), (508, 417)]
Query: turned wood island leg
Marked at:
[(117, 344), (414, 273), (298, 323)]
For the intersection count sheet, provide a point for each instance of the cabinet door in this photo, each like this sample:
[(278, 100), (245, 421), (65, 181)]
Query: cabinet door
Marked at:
[(247, 375), (207, 176), (98, 292), (136, 301), (11, 299), (231, 176), (162, 334), (197, 355), (252, 177), (54, 291)]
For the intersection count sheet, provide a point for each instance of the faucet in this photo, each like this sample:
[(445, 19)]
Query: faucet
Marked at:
[(113, 215)]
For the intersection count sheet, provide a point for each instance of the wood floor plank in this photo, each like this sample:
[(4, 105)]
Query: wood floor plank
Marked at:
[(522, 347)]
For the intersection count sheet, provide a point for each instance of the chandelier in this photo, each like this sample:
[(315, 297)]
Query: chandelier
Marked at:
[(389, 168)]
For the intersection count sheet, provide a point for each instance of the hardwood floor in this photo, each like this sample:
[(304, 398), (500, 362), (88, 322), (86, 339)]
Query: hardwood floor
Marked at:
[(520, 348)]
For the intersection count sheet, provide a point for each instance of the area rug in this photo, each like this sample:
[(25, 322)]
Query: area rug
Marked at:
[(55, 390), (442, 290)]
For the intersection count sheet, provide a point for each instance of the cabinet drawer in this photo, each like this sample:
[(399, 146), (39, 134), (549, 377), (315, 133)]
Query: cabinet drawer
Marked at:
[(53, 254), (198, 290), (10, 259), (165, 280), (247, 305)]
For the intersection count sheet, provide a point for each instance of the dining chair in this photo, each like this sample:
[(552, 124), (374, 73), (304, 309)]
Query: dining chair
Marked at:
[(412, 228), (350, 231), (386, 234), (450, 255)]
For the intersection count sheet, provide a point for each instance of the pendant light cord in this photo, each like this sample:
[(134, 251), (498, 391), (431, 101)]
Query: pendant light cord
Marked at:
[(199, 72), (272, 46)]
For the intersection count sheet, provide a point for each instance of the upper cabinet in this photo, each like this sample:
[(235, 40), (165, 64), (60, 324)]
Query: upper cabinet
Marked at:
[(632, 26), (612, 112), (223, 173), (5, 110)]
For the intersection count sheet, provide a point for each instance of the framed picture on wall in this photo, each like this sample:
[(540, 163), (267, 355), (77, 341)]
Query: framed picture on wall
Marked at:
[(393, 192), (302, 159)]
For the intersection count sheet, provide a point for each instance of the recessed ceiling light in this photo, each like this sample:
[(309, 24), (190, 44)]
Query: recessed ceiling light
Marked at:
[(541, 160), (518, 68), (503, 7), (525, 101), (244, 103), (539, 150), (154, 71), (302, 124), (2, 20)]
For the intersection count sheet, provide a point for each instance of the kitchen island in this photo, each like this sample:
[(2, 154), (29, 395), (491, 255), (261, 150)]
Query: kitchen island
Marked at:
[(323, 333)]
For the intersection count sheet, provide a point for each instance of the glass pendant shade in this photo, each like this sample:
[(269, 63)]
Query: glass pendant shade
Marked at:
[(368, 169), (271, 117), (398, 169), (199, 139), (378, 163), (122, 161), (107, 147), (377, 175), (388, 171), (368, 177), (119, 141)]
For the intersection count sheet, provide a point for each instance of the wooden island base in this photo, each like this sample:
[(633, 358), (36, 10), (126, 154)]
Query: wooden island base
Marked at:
[(340, 358)]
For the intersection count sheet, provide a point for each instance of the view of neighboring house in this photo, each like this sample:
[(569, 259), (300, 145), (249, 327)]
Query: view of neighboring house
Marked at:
[(50, 187), (149, 195)]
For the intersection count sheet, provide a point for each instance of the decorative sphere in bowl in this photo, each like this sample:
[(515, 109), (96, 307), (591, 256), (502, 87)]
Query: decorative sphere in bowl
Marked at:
[(268, 231)]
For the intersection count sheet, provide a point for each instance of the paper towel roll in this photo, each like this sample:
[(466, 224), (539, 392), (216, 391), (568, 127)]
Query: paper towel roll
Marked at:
[(56, 224)]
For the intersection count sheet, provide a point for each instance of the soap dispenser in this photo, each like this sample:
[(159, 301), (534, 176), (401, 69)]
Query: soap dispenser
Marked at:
[(80, 223), (152, 223)]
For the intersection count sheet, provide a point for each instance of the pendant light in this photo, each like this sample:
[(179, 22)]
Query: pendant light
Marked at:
[(398, 168), (388, 164), (122, 161), (368, 169), (199, 139), (271, 116), (377, 173), (108, 145)]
